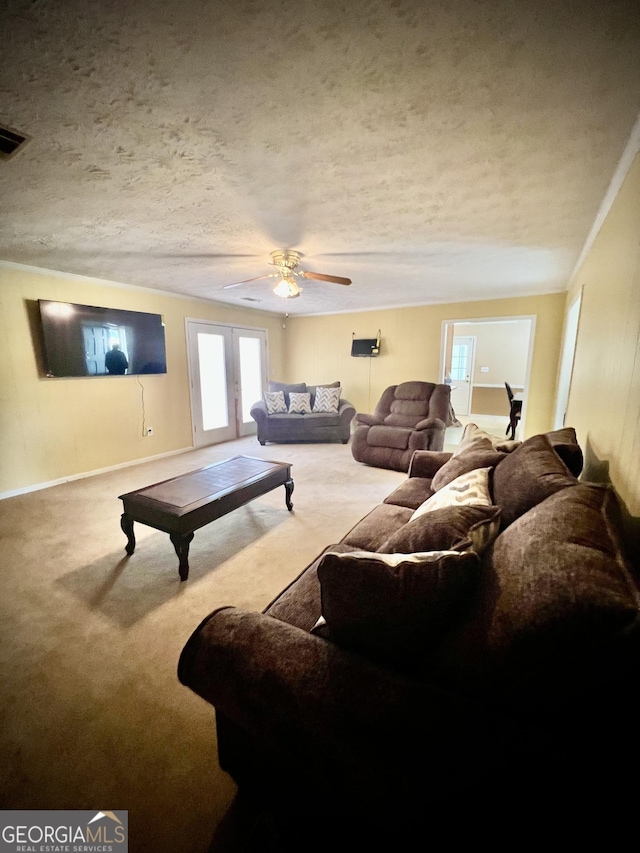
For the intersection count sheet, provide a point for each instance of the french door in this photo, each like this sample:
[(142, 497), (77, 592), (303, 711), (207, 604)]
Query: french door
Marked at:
[(227, 372)]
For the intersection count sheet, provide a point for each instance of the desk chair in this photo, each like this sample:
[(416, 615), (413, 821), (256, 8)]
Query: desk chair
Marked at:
[(515, 411)]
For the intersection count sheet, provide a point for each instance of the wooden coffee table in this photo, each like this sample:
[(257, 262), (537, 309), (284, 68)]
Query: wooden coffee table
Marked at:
[(183, 504)]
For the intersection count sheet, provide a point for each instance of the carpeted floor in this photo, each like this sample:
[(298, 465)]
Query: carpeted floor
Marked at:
[(92, 713)]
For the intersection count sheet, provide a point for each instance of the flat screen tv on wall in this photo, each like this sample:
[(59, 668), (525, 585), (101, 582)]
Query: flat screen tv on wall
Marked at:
[(84, 340), (365, 347)]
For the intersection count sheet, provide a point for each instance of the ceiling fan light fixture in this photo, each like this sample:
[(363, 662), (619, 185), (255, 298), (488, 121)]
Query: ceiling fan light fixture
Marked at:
[(285, 261), (287, 287)]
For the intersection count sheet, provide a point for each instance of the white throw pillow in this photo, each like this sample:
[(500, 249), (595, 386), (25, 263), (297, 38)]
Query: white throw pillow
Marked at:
[(327, 400), (467, 489), (274, 401), (299, 403)]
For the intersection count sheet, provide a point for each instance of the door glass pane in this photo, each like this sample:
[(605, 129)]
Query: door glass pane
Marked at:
[(459, 362), (213, 392), (250, 375)]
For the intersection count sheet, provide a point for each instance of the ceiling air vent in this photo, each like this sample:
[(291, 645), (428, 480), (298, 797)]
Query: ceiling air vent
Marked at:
[(10, 142), (250, 299)]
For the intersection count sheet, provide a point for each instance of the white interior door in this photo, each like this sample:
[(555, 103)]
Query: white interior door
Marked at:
[(228, 370), (462, 359)]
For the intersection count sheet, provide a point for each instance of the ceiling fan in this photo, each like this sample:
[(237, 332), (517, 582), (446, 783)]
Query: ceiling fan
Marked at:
[(286, 262)]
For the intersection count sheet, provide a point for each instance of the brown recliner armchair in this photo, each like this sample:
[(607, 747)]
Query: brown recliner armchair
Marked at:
[(409, 416)]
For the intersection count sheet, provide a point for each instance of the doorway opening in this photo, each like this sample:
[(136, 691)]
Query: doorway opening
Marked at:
[(477, 357), (566, 362), (227, 375)]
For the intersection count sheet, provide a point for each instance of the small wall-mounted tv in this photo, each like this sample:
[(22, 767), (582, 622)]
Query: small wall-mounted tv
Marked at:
[(365, 347), (85, 340)]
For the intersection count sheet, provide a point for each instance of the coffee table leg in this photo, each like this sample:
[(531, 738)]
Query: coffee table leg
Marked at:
[(181, 542), (126, 523), (288, 492)]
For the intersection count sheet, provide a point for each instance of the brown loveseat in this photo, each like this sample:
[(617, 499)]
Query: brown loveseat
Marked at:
[(314, 426), (491, 682)]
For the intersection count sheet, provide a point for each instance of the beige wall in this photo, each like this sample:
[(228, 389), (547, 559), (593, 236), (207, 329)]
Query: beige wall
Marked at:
[(318, 349), (57, 428), (503, 348), (490, 401), (604, 398)]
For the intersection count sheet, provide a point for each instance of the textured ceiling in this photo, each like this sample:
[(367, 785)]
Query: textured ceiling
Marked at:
[(430, 151)]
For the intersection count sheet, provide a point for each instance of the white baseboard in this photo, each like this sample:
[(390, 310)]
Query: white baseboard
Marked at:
[(38, 486)]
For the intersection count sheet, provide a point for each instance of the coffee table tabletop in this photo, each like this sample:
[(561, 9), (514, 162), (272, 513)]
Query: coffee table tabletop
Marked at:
[(183, 504)]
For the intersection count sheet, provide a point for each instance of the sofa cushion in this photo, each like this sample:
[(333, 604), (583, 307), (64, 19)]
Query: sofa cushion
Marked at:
[(372, 530), (384, 436), (565, 443), (326, 399), (554, 590), (473, 436), (298, 387), (299, 403), (407, 413), (475, 456), (322, 419), (528, 475), (411, 493), (454, 528), (298, 603), (469, 488), (390, 607), (313, 388), (275, 403), (286, 423)]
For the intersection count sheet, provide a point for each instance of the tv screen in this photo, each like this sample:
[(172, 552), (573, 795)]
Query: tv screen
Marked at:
[(84, 340), (365, 347)]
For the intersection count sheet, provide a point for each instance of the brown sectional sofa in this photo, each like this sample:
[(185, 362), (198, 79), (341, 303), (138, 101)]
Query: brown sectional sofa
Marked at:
[(494, 681)]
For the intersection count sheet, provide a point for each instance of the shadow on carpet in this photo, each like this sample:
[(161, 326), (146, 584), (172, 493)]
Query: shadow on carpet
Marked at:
[(128, 588)]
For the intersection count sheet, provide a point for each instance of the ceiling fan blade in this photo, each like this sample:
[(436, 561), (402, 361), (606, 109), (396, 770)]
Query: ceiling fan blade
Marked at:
[(336, 279), (198, 255), (247, 280)]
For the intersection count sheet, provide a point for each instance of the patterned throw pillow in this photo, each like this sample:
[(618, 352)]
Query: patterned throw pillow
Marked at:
[(299, 403), (275, 403), (327, 400), (470, 488)]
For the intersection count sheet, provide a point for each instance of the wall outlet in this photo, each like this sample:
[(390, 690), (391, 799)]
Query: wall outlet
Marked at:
[(149, 430)]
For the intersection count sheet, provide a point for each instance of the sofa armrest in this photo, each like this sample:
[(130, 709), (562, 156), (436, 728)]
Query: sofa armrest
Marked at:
[(259, 411), (346, 412), (430, 423), (301, 696), (368, 420), (425, 463)]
